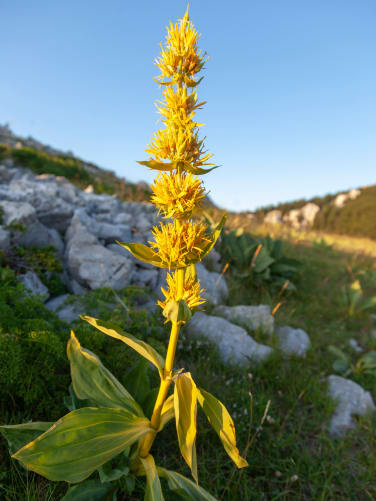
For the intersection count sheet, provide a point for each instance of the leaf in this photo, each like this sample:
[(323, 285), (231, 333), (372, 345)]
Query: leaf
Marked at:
[(107, 472), (92, 381), (168, 412), (185, 405), (149, 402), (340, 366), (222, 423), (153, 164), (369, 360), (143, 253), (198, 170), (144, 349), (90, 490), (72, 403), (81, 442), (18, 435), (190, 273), (153, 485), (337, 352), (214, 238), (177, 311), (137, 381), (184, 487)]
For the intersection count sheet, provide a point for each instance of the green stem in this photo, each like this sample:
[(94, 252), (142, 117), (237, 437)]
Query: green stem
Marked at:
[(155, 421)]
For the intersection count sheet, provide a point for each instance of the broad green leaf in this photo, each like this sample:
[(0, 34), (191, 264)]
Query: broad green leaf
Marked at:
[(153, 164), (137, 381), (177, 311), (341, 366), (111, 474), (81, 442), (18, 435), (222, 423), (153, 485), (337, 352), (168, 412), (149, 402), (92, 381), (141, 347), (72, 403), (185, 405), (90, 490), (369, 360), (184, 487), (143, 253)]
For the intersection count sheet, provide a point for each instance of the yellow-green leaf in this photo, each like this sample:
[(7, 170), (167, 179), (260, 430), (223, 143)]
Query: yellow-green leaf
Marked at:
[(177, 311), (92, 381), (80, 442), (153, 164), (222, 423), (18, 435), (144, 349), (185, 404), (184, 487), (190, 273), (143, 253), (214, 237), (168, 412), (198, 171), (153, 485)]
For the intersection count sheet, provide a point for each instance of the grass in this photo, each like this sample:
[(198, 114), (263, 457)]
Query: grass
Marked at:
[(290, 455)]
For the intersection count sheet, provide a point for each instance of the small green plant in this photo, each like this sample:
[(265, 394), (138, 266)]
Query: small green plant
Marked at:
[(366, 364), (354, 300), (111, 428), (258, 261)]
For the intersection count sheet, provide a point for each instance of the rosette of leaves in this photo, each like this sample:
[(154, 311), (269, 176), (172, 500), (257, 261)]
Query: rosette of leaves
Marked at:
[(258, 260), (108, 433)]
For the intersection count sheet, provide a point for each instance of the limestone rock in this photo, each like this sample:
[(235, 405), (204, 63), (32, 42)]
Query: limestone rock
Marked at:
[(216, 290), (213, 261), (250, 317), (66, 310), (38, 235), (351, 400), (234, 345), (91, 264), (18, 213), (273, 217), (293, 341), (33, 285)]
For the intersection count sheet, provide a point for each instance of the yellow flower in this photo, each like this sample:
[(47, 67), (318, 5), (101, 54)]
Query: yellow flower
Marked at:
[(178, 245), (178, 145), (180, 60), (177, 194), (179, 107), (191, 293)]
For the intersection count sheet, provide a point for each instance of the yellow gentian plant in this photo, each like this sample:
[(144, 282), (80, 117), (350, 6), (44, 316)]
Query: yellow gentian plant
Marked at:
[(108, 420)]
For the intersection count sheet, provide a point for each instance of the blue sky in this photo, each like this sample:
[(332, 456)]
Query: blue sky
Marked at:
[(290, 85)]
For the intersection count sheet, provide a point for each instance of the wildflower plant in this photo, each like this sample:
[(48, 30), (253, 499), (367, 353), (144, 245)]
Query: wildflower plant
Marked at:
[(106, 422)]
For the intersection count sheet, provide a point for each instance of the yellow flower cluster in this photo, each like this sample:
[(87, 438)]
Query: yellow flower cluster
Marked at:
[(191, 292), (178, 245), (181, 60), (176, 196)]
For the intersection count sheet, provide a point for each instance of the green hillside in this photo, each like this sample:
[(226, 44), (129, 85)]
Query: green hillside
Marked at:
[(356, 218)]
